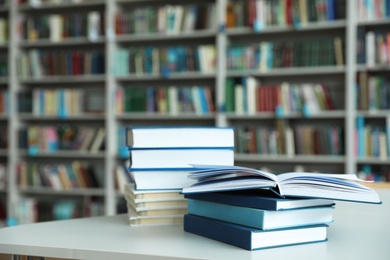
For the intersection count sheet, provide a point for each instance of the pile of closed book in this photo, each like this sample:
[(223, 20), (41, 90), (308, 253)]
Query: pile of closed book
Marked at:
[(257, 220), (160, 161)]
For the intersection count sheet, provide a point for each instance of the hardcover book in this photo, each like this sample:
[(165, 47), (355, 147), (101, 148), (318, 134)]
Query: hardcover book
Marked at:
[(252, 238), (174, 137), (259, 218), (258, 199)]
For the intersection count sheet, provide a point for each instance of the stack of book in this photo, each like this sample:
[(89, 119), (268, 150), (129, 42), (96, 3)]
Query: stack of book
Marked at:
[(253, 209), (161, 159)]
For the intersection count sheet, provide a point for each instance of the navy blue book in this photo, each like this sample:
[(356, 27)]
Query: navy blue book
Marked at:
[(251, 238), (258, 199)]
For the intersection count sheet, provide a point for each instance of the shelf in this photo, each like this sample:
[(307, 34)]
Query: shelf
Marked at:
[(271, 115), (376, 22), (340, 24), (374, 113), (170, 76), (82, 41), (65, 79), (166, 116), (64, 154), (301, 71), (61, 6), (377, 161), (376, 68), (329, 159), (165, 37), (82, 117), (70, 192)]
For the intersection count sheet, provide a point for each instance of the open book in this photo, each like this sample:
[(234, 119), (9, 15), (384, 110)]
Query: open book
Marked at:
[(294, 184)]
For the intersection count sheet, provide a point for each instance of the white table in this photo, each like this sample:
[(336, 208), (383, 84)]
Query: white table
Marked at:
[(360, 231)]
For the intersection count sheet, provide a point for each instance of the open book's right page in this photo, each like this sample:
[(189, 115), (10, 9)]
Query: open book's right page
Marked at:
[(324, 185)]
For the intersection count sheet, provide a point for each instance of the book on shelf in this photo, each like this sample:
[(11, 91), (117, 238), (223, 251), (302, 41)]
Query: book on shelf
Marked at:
[(252, 238), (260, 218), (151, 137), (259, 199), (292, 184)]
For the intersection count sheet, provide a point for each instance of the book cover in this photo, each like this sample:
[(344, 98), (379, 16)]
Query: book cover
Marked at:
[(259, 218), (251, 238)]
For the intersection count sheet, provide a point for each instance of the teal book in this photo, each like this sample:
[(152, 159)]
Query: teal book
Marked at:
[(251, 238), (259, 218)]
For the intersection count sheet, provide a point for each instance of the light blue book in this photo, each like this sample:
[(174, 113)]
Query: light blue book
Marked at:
[(259, 218)]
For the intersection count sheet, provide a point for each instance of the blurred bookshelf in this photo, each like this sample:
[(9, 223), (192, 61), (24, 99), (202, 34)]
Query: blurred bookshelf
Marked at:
[(304, 83)]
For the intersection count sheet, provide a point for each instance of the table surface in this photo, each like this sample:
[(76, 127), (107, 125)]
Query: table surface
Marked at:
[(360, 231)]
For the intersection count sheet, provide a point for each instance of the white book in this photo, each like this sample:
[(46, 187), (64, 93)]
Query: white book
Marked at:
[(136, 220), (251, 97), (160, 179), (179, 137), (370, 49), (56, 27), (239, 98), (310, 98), (179, 13), (383, 155), (179, 157), (98, 141), (173, 100), (189, 18), (290, 142), (93, 26)]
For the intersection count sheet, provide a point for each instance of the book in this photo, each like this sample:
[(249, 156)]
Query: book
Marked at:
[(260, 218), (151, 137), (156, 220), (180, 157), (291, 184), (131, 191), (158, 212), (252, 238), (161, 179), (258, 199), (157, 204)]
